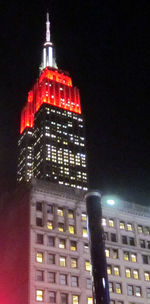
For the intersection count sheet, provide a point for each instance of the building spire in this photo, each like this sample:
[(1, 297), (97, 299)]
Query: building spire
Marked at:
[(47, 28)]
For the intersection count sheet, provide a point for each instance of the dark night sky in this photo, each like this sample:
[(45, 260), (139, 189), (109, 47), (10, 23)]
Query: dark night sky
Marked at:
[(105, 45)]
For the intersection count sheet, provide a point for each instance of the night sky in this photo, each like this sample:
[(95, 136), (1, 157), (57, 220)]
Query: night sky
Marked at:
[(105, 45)]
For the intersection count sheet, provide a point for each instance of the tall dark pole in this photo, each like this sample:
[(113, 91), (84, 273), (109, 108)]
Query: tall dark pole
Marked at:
[(97, 248)]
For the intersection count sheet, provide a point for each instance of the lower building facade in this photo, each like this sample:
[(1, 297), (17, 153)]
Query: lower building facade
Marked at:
[(45, 248)]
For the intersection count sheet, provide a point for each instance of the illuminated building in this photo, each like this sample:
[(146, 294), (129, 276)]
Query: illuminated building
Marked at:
[(44, 248), (52, 142)]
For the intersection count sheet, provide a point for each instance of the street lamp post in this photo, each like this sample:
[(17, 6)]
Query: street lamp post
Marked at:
[(97, 248)]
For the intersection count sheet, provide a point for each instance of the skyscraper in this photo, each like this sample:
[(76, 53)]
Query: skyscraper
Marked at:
[(52, 141)]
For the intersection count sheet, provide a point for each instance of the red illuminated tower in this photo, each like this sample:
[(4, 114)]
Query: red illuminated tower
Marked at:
[(52, 142)]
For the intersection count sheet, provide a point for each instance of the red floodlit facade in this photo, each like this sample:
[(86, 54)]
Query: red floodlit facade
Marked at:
[(53, 88)]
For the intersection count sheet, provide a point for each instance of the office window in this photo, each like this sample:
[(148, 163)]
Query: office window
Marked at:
[(70, 214), (142, 243), (60, 212), (49, 225), (50, 241), (39, 275), (86, 246), (73, 263), (88, 283), (51, 258), (148, 292), (135, 274), (73, 245), (61, 227), (107, 253), (145, 259), (110, 287), (39, 295), (130, 290), (124, 239), (71, 229), (38, 206), (74, 281), (133, 257), (62, 243), (126, 255), (106, 236), (84, 232), (111, 223), (112, 301), (138, 291), (39, 238), (64, 298), (109, 270), (113, 237), (128, 272), (51, 277), (116, 271), (129, 227), (148, 244), (63, 279), (140, 229), (131, 241), (146, 276), (90, 300), (39, 257), (52, 297), (75, 299), (146, 230), (62, 261), (114, 253), (103, 221), (88, 265), (118, 288), (122, 225), (39, 222), (50, 209), (83, 216)]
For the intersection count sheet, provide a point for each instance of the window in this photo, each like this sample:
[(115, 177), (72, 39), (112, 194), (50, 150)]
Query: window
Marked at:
[(39, 257), (142, 243), (110, 287), (146, 276), (90, 300), (50, 241), (70, 214), (146, 230), (114, 253), (118, 288), (39, 238), (130, 290), (39, 295), (107, 253), (84, 232), (133, 257), (39, 222), (88, 283), (138, 291), (73, 263), (60, 211), (51, 277), (71, 229), (112, 301), (106, 236), (111, 223), (86, 246), (62, 243), (64, 298), (88, 265), (103, 221), (83, 216), (128, 272), (148, 244), (131, 241), (73, 246), (75, 299), (50, 209), (62, 261), (126, 255), (109, 270), (38, 206), (74, 281), (116, 271), (113, 237), (124, 239), (148, 292), (135, 274), (63, 279), (51, 258), (61, 227), (39, 275), (52, 297), (145, 259), (129, 227), (140, 229), (50, 225), (122, 225)]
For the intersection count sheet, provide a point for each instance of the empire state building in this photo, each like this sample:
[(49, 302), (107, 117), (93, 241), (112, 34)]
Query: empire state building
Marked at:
[(52, 142)]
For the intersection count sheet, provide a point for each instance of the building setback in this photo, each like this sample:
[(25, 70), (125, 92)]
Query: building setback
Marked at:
[(45, 255)]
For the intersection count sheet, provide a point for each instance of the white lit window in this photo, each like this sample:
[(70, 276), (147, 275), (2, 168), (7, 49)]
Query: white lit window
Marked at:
[(39, 295)]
